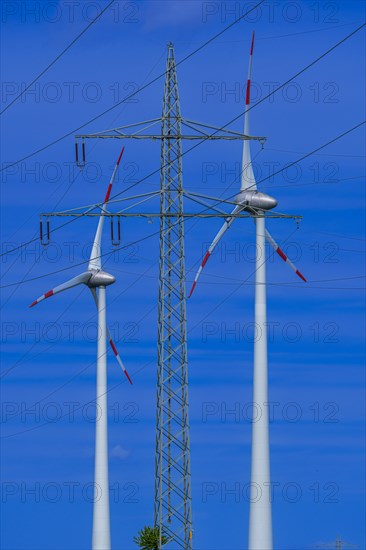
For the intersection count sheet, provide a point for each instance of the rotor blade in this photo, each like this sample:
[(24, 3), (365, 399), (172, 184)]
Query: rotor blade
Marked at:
[(229, 220), (118, 357), (247, 175), (80, 279), (282, 255), (95, 256), (112, 344)]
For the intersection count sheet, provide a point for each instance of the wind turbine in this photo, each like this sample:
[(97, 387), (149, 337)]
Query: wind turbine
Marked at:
[(95, 278), (256, 203)]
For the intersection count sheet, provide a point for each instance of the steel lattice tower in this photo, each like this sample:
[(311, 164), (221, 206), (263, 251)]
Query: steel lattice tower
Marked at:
[(173, 510)]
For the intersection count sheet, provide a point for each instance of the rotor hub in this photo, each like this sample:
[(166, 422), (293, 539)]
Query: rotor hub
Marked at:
[(101, 278), (255, 199)]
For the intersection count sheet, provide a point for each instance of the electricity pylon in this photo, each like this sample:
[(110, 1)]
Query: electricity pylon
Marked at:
[(173, 502)]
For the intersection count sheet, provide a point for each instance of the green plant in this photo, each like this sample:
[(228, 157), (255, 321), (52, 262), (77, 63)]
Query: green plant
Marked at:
[(148, 538)]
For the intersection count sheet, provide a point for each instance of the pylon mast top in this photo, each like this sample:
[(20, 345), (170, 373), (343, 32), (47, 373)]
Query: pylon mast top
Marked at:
[(138, 130)]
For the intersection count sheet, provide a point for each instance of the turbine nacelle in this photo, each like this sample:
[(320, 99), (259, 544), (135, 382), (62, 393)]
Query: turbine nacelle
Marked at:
[(100, 278), (255, 199)]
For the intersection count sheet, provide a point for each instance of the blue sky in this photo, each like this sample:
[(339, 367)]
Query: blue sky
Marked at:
[(316, 351)]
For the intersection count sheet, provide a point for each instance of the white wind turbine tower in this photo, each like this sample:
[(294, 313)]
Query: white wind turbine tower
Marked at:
[(95, 278), (252, 201)]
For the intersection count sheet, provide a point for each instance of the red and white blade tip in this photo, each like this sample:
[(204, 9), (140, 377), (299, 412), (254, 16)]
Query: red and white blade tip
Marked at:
[(203, 263), (115, 351), (228, 221), (128, 377), (47, 295), (120, 155), (109, 190), (192, 289), (286, 259), (247, 93), (283, 256)]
